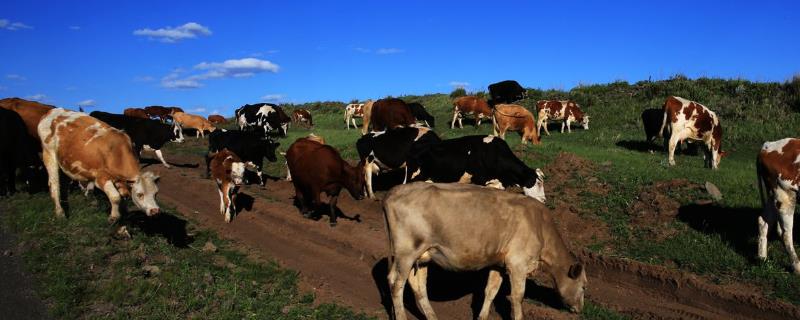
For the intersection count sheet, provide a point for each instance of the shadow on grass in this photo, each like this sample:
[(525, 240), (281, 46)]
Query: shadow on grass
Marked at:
[(737, 226), (165, 224), (691, 149)]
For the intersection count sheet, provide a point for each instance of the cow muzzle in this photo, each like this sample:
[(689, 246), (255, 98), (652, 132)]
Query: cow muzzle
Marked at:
[(153, 211)]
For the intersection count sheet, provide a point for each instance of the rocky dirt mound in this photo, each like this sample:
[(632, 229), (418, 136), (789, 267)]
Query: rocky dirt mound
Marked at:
[(657, 205)]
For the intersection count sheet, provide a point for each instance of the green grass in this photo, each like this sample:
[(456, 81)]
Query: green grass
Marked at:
[(83, 272)]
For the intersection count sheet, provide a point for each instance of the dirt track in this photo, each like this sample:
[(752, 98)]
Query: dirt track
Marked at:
[(347, 264)]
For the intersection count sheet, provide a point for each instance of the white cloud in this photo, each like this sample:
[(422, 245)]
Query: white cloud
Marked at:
[(459, 84), (173, 81), (74, 28), (197, 110), (389, 51), (87, 103), (37, 97), (15, 77), (215, 111), (362, 50), (234, 68), (189, 30), (274, 97), (143, 79), (13, 26)]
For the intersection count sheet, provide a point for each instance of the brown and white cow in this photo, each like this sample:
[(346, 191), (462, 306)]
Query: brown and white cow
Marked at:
[(491, 229), (351, 112), (31, 112), (566, 111), (471, 105), (185, 120), (515, 118), (216, 119), (779, 180), (90, 151), (302, 116), (227, 170), (136, 113), (690, 120)]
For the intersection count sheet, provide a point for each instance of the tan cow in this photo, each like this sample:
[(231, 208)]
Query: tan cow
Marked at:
[(90, 151), (566, 111), (491, 228), (227, 170), (351, 112), (31, 112), (515, 118), (470, 105), (367, 114), (185, 120), (691, 120), (779, 181)]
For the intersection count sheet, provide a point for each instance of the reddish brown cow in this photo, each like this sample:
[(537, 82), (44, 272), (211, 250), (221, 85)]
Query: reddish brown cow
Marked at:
[(390, 113), (566, 111), (310, 137), (470, 105), (227, 170), (159, 112), (514, 118), (691, 120), (216, 119), (318, 168), (779, 181), (302, 116), (136, 113), (31, 112)]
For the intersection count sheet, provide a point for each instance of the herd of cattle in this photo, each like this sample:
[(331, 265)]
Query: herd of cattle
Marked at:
[(493, 228)]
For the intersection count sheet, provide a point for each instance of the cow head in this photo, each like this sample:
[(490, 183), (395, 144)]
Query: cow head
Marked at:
[(237, 172), (584, 122), (534, 186), (284, 129), (143, 193), (571, 286), (356, 182), (269, 149)]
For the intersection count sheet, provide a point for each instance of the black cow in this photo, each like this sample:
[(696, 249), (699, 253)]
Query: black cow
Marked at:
[(251, 147), (18, 151), (394, 149), (484, 160), (144, 133), (507, 91), (419, 112), (263, 118), (652, 120)]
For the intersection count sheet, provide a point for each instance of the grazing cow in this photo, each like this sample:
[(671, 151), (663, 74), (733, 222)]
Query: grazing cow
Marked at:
[(515, 118), (30, 111), (470, 105), (144, 133), (691, 120), (227, 170), (136, 113), (491, 228), (390, 113), (302, 116), (394, 149), (90, 151), (263, 117), (367, 116), (251, 147), (351, 112), (319, 168), (311, 137), (779, 181), (566, 111), (162, 113), (19, 150), (507, 92), (482, 160), (216, 119), (419, 112), (652, 120), (185, 120)]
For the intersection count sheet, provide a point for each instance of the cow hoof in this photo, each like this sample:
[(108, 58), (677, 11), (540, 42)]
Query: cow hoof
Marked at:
[(333, 223), (113, 220), (307, 215)]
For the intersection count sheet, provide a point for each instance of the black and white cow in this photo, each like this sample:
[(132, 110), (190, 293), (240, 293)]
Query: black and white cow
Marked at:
[(144, 133), (421, 114), (251, 147), (263, 117), (18, 150), (481, 159), (507, 91), (393, 149)]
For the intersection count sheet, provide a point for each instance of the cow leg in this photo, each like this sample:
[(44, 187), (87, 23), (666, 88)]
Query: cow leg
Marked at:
[(517, 276), (301, 200), (221, 199), (161, 157), (334, 198), (51, 164), (418, 279), (492, 285), (673, 142), (368, 177), (288, 173), (478, 121), (764, 220), (113, 197), (786, 201), (230, 208), (355, 126), (398, 275), (453, 123)]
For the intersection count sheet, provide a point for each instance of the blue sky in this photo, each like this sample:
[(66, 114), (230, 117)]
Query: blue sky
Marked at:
[(217, 56)]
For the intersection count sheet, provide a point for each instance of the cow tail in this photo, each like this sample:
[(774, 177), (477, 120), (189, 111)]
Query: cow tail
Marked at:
[(389, 257), (762, 184), (495, 128), (663, 123)]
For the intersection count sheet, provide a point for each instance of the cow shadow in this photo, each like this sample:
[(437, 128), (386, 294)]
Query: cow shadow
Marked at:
[(243, 202), (324, 209), (736, 226), (165, 225), (146, 162), (446, 285), (690, 149)]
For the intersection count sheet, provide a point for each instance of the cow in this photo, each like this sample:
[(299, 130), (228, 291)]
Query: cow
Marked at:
[(251, 147), (90, 151), (367, 110), (515, 118), (652, 119), (319, 168), (310, 137), (351, 112), (470, 105), (216, 119), (145, 134), (263, 117), (185, 120), (19, 150), (778, 183), (31, 113), (481, 159), (227, 170), (566, 111), (687, 119), (159, 112), (419, 113), (390, 113), (302, 116), (394, 149), (135, 113), (491, 229), (507, 92)]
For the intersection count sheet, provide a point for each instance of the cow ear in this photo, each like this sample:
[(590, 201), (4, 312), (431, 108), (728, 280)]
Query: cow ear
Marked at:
[(575, 271)]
